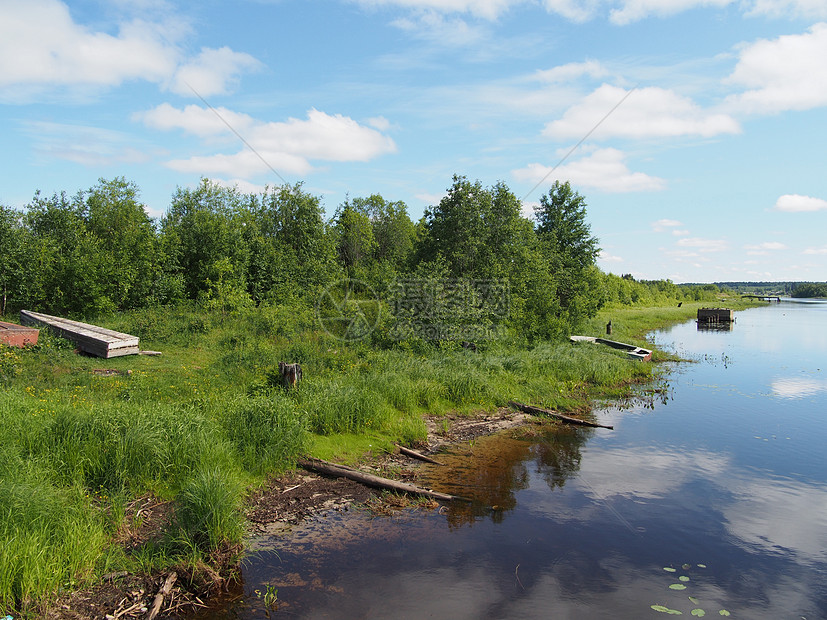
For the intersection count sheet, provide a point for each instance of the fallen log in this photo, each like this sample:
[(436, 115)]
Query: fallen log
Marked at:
[(554, 414), (162, 593), (417, 455), (342, 471)]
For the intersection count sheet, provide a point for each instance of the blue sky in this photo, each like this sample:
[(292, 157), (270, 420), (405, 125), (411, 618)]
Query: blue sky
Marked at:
[(700, 125)]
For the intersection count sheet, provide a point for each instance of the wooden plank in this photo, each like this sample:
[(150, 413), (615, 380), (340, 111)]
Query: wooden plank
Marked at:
[(91, 339)]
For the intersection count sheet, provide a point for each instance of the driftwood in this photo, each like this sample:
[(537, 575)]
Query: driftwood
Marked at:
[(159, 598), (554, 414), (342, 471), (417, 455)]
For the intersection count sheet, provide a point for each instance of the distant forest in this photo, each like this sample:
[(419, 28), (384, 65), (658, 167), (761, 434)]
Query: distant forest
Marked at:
[(98, 251), (791, 289)]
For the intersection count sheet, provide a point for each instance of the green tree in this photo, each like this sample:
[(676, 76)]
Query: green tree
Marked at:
[(204, 230), (355, 241), (393, 230), (126, 233), (12, 257), (294, 252), (71, 261), (571, 251), (457, 229)]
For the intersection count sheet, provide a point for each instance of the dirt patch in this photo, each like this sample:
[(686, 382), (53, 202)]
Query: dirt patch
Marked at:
[(274, 508), (451, 429)]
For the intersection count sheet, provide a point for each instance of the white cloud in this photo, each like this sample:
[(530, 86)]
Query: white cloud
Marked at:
[(812, 9), (787, 73), (195, 120), (85, 145), (430, 199), (604, 169), (609, 258), (795, 203), (664, 224), (487, 9), (635, 10), (575, 10), (766, 246), (287, 146), (572, 71), (816, 251), (680, 232), (703, 245), (41, 44), (647, 113), (42, 47), (380, 123), (528, 209), (212, 72), (441, 31), (243, 186), (620, 12)]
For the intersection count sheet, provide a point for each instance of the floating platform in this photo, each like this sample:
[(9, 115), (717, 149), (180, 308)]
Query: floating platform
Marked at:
[(716, 315), (13, 335), (90, 339), (633, 351)]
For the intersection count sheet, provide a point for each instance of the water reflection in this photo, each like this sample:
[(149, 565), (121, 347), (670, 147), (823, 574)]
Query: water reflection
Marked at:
[(716, 327), (798, 387), (722, 483), (491, 470)]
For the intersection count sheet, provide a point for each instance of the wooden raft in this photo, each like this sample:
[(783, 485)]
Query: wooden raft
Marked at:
[(88, 338)]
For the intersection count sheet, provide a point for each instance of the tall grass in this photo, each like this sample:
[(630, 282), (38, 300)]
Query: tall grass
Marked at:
[(208, 418)]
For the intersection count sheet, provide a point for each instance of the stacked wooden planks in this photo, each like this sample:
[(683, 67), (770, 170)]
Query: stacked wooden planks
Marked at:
[(88, 338)]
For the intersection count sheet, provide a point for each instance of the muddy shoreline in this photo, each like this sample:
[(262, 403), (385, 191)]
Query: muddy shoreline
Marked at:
[(280, 504)]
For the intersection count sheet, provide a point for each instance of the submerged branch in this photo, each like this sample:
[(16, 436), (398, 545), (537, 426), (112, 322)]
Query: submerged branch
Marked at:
[(554, 414)]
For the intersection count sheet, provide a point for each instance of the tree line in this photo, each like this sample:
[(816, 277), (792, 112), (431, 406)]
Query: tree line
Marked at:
[(98, 251)]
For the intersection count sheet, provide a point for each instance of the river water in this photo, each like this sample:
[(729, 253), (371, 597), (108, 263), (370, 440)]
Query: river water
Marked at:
[(709, 499)]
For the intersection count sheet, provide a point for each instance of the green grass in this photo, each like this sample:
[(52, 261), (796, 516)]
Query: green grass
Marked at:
[(207, 420)]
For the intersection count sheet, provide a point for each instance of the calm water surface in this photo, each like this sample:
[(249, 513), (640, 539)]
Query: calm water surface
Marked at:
[(713, 498)]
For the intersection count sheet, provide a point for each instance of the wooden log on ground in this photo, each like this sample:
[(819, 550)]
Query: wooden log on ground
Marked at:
[(554, 414), (162, 593), (342, 471), (417, 455)]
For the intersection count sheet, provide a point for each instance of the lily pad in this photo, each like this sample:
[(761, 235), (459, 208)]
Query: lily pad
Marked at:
[(724, 612), (683, 578), (701, 565), (669, 569), (677, 586), (700, 613), (666, 610), (686, 566), (693, 600)]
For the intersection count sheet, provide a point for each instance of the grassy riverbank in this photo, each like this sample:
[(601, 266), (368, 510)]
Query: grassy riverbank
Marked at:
[(82, 438)]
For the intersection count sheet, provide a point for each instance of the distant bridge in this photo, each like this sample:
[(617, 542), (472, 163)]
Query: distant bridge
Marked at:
[(770, 297)]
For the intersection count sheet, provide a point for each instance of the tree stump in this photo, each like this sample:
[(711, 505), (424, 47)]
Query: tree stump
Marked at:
[(291, 374)]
